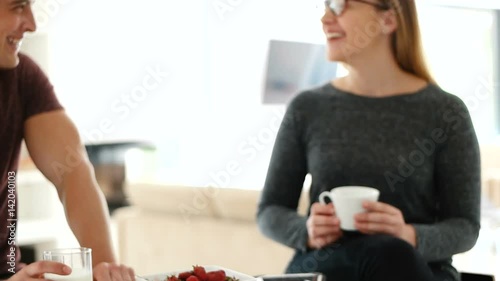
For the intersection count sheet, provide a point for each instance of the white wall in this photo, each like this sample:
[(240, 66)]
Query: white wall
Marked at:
[(460, 57), (206, 114)]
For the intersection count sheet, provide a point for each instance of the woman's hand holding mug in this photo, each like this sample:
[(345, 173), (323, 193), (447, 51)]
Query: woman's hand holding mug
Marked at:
[(382, 218), (323, 226)]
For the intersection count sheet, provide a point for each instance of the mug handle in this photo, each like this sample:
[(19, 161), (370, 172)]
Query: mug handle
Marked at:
[(323, 195)]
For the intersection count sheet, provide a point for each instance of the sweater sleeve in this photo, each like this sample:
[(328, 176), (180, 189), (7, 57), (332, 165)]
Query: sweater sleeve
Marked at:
[(458, 187), (277, 215)]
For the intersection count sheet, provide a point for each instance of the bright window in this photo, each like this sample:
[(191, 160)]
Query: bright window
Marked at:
[(459, 44)]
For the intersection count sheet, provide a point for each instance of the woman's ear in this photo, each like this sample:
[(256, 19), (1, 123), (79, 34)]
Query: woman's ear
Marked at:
[(388, 21)]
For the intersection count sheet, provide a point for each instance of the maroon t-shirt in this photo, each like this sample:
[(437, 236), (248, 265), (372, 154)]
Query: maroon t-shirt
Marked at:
[(24, 92)]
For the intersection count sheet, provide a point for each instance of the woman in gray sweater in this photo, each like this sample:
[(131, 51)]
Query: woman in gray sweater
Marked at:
[(386, 125)]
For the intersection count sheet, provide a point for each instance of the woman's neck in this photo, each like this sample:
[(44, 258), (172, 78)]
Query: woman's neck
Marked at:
[(377, 75)]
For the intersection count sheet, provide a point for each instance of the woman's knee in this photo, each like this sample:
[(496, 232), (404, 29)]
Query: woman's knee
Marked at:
[(314, 261), (387, 243), (385, 251), (388, 246), (389, 256)]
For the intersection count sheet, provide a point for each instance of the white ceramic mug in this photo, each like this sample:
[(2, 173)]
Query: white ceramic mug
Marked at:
[(348, 201)]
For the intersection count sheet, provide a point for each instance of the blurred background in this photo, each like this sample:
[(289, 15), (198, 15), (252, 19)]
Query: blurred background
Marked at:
[(205, 103)]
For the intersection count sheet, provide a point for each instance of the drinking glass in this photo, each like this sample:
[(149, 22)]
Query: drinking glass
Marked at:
[(79, 259)]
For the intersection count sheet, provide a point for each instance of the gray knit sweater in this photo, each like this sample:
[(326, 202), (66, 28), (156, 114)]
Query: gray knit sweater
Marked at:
[(419, 149)]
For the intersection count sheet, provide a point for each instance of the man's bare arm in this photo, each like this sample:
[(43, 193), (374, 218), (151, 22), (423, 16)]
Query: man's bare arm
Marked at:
[(56, 149)]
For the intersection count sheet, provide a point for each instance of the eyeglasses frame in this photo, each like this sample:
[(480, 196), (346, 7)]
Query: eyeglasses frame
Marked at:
[(380, 6)]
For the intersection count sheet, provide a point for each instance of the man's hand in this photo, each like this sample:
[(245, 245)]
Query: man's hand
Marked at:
[(113, 272), (36, 270), (383, 218), (323, 226)]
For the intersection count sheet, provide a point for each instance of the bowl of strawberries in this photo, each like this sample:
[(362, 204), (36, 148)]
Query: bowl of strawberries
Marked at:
[(200, 273)]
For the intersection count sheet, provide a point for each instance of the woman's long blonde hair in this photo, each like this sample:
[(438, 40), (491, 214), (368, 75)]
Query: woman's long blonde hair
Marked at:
[(407, 41)]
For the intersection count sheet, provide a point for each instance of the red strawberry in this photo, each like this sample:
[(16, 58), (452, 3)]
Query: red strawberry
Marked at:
[(185, 275), (193, 278), (221, 273), (200, 272), (216, 275), (172, 278)]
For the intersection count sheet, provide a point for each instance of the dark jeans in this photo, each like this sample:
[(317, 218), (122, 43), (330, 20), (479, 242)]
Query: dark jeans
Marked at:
[(358, 257)]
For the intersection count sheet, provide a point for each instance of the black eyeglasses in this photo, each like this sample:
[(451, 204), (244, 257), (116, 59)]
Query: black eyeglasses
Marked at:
[(338, 6)]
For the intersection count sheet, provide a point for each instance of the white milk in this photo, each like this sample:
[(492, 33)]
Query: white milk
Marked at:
[(76, 275)]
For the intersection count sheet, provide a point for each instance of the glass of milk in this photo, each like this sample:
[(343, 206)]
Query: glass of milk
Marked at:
[(79, 259)]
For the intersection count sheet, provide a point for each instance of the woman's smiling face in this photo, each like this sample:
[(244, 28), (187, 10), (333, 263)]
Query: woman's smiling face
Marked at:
[(351, 27)]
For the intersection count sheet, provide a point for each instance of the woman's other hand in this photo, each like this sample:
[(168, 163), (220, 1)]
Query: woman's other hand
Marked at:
[(382, 218), (323, 226)]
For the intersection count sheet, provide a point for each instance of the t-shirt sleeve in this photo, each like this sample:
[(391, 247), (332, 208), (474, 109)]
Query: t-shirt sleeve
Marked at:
[(37, 91)]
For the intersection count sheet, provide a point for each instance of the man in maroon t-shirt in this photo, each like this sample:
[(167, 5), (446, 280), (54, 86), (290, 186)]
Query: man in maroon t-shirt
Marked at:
[(29, 110)]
